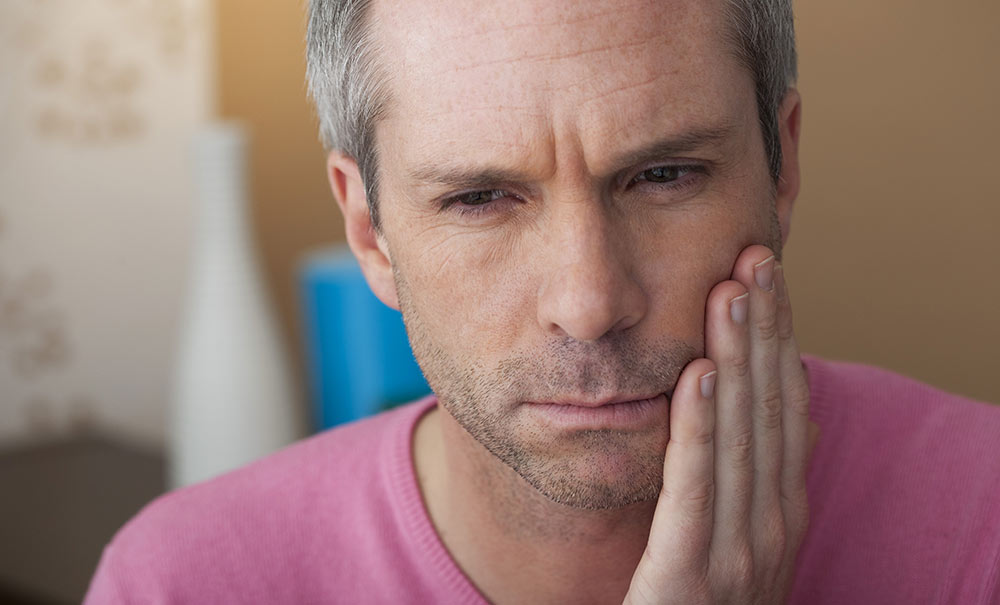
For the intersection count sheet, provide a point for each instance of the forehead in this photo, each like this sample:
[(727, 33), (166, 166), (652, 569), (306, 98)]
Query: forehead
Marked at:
[(535, 77)]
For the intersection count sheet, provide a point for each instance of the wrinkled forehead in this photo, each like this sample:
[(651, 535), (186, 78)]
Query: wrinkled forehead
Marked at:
[(510, 71)]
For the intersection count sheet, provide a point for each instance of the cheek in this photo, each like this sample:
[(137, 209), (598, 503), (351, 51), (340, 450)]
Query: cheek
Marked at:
[(684, 257), (471, 294)]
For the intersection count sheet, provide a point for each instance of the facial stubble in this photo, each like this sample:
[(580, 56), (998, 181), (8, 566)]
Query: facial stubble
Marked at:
[(482, 400), (586, 469)]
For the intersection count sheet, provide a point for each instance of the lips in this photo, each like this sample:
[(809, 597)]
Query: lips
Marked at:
[(612, 413), (583, 403)]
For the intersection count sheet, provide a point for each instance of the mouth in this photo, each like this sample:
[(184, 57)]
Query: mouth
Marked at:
[(596, 403), (615, 413)]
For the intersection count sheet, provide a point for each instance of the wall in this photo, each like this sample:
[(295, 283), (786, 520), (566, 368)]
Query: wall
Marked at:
[(98, 99), (893, 255), (895, 245)]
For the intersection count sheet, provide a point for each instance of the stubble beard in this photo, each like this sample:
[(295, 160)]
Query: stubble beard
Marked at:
[(586, 469)]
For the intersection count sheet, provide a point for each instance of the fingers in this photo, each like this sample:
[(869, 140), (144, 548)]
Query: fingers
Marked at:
[(682, 524), (762, 433), (727, 342), (755, 269), (796, 431), (733, 508)]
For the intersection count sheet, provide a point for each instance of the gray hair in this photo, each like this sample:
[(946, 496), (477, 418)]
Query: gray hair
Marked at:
[(346, 87), (764, 38)]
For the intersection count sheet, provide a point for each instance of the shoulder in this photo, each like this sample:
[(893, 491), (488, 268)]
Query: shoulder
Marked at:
[(904, 486), (288, 480), (841, 389), (890, 419), (307, 498)]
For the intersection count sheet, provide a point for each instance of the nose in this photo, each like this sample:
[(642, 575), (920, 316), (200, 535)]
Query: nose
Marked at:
[(590, 287)]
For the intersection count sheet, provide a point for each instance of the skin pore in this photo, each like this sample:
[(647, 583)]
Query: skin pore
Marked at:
[(561, 186)]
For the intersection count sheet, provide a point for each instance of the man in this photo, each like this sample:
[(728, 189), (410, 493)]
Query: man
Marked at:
[(579, 208)]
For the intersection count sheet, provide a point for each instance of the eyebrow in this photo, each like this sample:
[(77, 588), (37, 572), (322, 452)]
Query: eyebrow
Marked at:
[(466, 178), (675, 145), (461, 177)]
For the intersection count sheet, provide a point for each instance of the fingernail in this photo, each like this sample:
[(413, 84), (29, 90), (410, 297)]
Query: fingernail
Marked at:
[(738, 308), (708, 384), (763, 273)]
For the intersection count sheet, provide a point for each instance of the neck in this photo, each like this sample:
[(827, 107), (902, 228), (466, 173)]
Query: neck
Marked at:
[(516, 545)]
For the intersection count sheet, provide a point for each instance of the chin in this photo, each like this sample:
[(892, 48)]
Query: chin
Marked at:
[(592, 470)]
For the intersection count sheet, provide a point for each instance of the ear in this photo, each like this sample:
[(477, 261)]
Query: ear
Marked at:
[(789, 122), (368, 247)]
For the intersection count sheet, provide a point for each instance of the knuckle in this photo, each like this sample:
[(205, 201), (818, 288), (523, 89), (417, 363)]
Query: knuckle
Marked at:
[(775, 537), (739, 365), (743, 569), (798, 400), (766, 326), (740, 446), (698, 501), (699, 437), (768, 410), (696, 590)]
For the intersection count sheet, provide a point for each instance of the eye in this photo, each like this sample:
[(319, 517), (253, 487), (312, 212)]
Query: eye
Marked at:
[(479, 198), (663, 174), (674, 179), (473, 204)]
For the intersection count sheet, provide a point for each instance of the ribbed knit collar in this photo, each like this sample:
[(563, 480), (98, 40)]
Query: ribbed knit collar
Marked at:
[(417, 525)]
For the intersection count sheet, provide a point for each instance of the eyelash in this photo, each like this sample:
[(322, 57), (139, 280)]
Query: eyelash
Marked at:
[(683, 169), (475, 210)]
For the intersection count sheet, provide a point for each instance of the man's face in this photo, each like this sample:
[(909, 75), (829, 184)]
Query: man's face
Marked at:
[(562, 183)]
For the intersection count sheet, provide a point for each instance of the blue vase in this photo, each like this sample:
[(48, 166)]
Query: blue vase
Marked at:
[(359, 357)]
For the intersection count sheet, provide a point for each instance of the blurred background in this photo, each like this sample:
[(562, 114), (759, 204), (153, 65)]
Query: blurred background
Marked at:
[(893, 257)]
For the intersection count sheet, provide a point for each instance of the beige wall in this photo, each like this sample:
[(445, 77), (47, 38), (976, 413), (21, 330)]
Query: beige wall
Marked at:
[(894, 249), (893, 255)]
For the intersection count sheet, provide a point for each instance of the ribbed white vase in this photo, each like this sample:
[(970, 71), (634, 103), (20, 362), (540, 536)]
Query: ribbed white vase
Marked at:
[(233, 399)]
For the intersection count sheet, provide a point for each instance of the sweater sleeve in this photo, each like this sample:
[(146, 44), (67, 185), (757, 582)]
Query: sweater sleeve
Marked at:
[(105, 586)]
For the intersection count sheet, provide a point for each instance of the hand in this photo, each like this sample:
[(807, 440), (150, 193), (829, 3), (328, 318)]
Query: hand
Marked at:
[(733, 511)]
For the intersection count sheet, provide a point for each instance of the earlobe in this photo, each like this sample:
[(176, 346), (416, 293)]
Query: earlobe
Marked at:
[(789, 124), (368, 246)]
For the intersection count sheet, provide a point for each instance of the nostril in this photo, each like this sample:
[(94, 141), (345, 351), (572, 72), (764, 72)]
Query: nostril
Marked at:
[(586, 311), (590, 288), (627, 322)]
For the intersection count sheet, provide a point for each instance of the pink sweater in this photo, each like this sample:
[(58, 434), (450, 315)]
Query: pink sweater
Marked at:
[(904, 491)]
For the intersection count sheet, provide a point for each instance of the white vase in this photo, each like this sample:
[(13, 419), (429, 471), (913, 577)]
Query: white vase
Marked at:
[(233, 399)]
